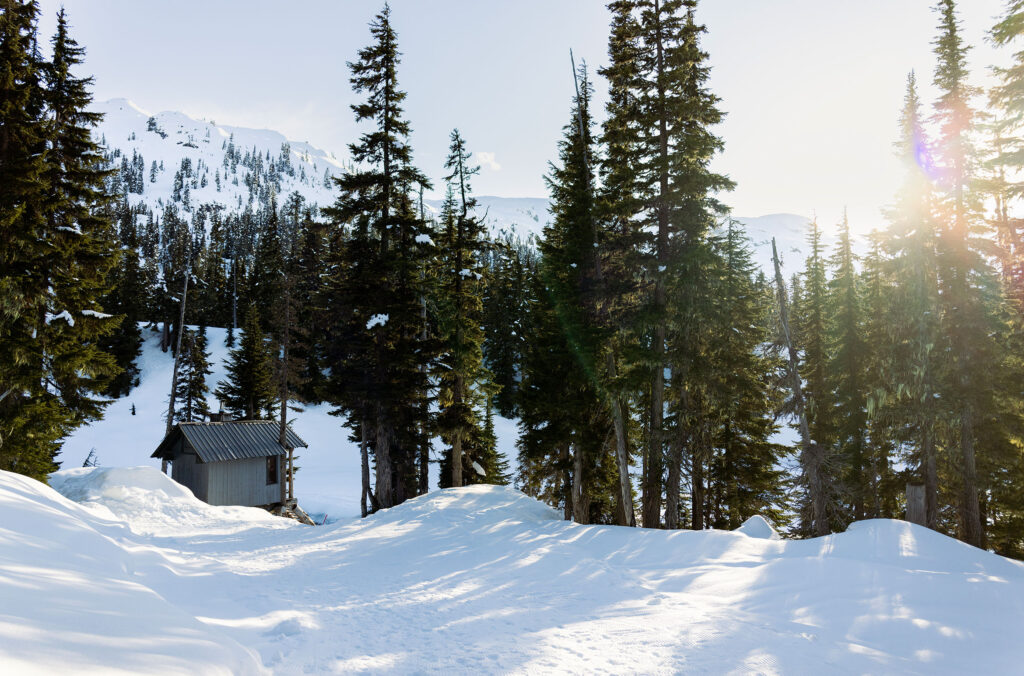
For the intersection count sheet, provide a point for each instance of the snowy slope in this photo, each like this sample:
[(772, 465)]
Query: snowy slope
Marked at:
[(518, 217), (175, 137), (125, 127), (476, 580), (328, 481)]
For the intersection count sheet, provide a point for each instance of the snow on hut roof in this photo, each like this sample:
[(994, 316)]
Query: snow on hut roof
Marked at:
[(219, 441)]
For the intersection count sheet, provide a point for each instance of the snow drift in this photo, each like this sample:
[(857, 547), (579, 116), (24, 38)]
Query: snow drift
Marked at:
[(478, 579)]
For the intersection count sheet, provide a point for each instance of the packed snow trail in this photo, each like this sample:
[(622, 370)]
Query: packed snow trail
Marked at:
[(140, 577)]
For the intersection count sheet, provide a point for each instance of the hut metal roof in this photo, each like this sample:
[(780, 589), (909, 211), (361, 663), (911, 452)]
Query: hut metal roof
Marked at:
[(219, 441)]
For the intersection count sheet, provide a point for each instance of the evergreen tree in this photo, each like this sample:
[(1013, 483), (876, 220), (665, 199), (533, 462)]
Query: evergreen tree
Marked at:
[(743, 466), (884, 486), (510, 264), (913, 372), (192, 388), (967, 322), (461, 373), (561, 387), (661, 114), (248, 393), (380, 354), (57, 247), (268, 269), (129, 298), (849, 356)]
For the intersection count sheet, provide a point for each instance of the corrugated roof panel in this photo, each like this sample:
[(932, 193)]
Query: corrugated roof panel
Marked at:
[(216, 442)]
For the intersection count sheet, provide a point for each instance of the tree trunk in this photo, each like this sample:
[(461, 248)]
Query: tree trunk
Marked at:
[(674, 480), (970, 513), (365, 460), (652, 474), (291, 473), (621, 451), (931, 478), (566, 482), (385, 480), (697, 493), (916, 504), (457, 459), (580, 512)]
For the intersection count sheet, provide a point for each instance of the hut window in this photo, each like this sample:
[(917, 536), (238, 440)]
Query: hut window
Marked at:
[(271, 469)]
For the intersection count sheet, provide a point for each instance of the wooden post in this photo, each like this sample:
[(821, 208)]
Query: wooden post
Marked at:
[(917, 511), (291, 473)]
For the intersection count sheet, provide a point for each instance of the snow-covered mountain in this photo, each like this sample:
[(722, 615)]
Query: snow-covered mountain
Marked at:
[(201, 162), (171, 158), (790, 233), (175, 142)]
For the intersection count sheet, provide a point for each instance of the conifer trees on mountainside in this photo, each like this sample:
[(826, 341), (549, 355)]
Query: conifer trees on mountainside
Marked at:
[(648, 363)]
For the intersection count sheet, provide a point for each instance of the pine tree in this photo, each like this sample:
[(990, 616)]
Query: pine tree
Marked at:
[(380, 354), (248, 393), (58, 248), (128, 298), (849, 356), (884, 486), (913, 380), (966, 321), (811, 328), (192, 388), (23, 289), (510, 264), (742, 473), (661, 114), (566, 396), (268, 269), (461, 372)]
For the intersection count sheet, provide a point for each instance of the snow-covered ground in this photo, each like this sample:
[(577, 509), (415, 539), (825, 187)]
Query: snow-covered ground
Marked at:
[(138, 577)]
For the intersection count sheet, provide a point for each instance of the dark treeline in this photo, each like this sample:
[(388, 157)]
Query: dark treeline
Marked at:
[(650, 363)]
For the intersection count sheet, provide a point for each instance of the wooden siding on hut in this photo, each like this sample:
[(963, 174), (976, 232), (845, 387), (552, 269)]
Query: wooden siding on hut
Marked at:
[(194, 475), (241, 482)]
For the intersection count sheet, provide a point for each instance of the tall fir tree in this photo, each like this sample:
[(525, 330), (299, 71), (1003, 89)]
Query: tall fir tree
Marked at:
[(911, 398), (821, 473), (380, 382), (967, 320), (567, 395), (192, 388), (461, 372), (742, 473), (58, 247), (849, 356), (249, 393)]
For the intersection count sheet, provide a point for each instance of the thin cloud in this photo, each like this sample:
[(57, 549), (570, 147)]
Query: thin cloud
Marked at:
[(487, 159)]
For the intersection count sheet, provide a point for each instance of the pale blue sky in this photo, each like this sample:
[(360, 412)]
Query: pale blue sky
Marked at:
[(812, 87)]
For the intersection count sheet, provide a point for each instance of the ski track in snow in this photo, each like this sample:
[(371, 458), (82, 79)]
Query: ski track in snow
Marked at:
[(141, 577)]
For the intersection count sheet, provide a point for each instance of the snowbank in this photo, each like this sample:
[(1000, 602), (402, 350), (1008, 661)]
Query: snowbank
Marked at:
[(76, 597), (477, 580), (152, 503), (758, 527)]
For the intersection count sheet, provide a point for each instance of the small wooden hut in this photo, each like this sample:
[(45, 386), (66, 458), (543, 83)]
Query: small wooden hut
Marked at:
[(231, 463)]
